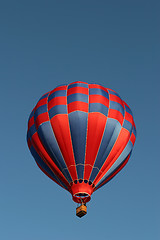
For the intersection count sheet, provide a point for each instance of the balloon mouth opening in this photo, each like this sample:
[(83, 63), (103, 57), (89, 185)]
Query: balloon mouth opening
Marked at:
[(81, 192), (81, 198), (82, 195)]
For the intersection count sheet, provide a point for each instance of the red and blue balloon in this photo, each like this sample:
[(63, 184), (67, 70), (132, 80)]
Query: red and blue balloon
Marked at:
[(81, 135)]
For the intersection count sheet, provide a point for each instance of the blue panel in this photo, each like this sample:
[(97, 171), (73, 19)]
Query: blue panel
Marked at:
[(49, 142), (28, 136), (98, 107), (128, 110), (80, 171), (127, 125), (40, 110), (134, 131), (32, 130), (93, 91), (116, 106), (94, 173), (110, 135), (113, 93), (58, 109), (44, 166), (78, 129), (58, 93), (78, 85), (77, 97), (118, 162)]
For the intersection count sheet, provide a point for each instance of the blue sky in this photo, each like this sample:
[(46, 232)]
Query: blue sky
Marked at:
[(47, 43)]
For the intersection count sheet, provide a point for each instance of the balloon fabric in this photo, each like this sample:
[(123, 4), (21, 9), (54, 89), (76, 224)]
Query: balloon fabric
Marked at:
[(81, 135)]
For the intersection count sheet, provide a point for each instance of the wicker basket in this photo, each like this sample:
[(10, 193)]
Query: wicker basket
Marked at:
[(81, 210)]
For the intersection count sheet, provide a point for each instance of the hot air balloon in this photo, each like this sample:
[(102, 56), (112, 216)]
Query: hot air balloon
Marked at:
[(81, 135)]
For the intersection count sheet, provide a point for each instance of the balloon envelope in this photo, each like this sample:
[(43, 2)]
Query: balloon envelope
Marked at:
[(81, 135)]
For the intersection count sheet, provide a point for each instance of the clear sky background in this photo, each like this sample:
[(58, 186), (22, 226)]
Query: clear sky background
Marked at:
[(47, 43)]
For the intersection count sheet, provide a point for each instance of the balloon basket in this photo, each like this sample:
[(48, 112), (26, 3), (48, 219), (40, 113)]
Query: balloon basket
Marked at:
[(81, 210)]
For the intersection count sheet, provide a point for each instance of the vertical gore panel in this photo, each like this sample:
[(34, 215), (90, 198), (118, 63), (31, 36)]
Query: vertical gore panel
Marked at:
[(49, 141), (110, 135), (127, 150), (96, 126), (46, 158), (117, 149), (78, 128), (60, 125), (118, 169), (81, 131)]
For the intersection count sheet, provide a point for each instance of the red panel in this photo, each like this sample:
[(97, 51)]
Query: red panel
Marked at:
[(77, 90), (87, 171), (43, 117), (128, 117), (96, 126), (99, 99), (117, 149), (46, 158), (117, 171), (57, 101), (97, 86), (133, 138), (30, 122), (41, 102), (29, 143), (116, 115), (116, 99), (58, 88), (60, 125), (77, 106)]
